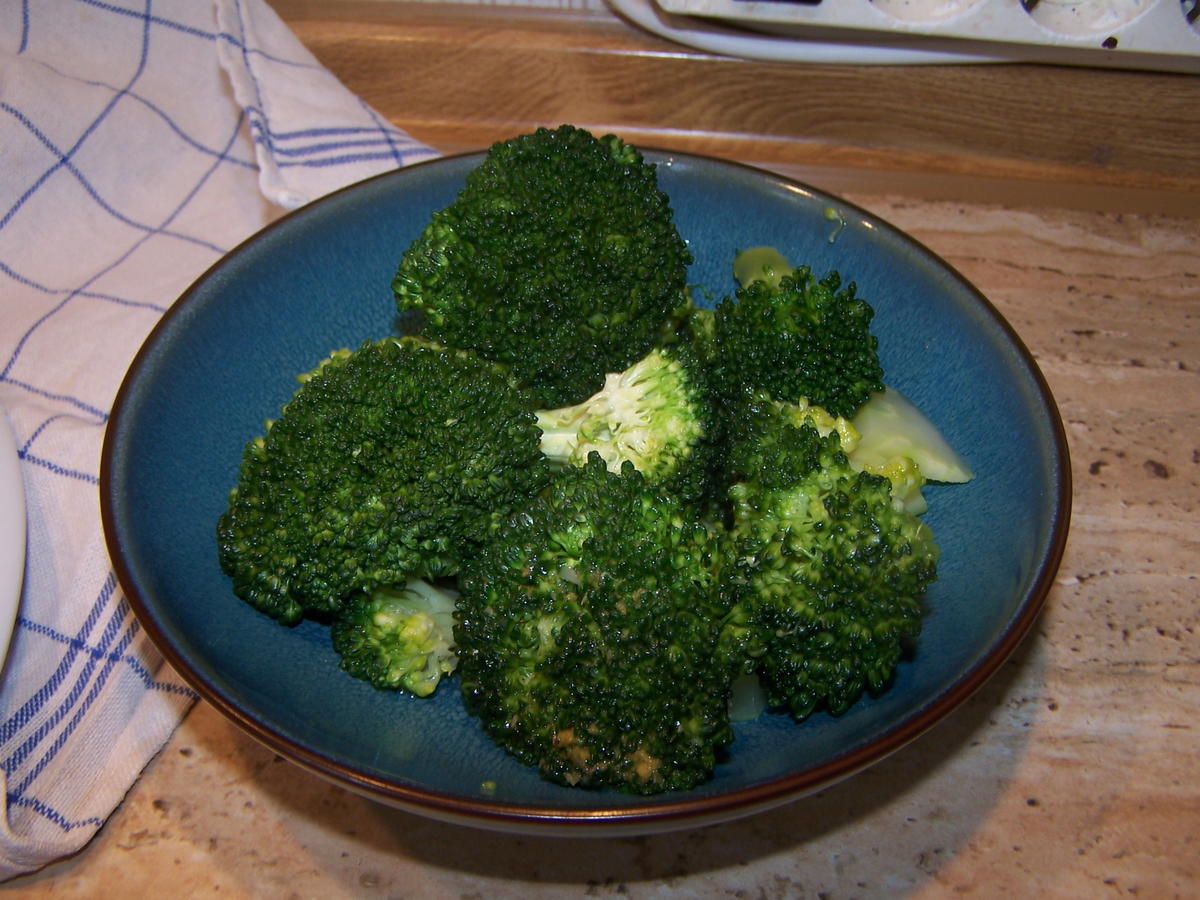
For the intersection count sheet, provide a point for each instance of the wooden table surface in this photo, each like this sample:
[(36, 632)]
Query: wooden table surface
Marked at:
[(1074, 772)]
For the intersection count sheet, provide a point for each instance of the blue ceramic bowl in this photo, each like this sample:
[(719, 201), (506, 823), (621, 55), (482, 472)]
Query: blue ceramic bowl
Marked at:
[(225, 357)]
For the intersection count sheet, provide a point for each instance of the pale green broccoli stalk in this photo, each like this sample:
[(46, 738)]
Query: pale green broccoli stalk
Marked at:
[(896, 440), (398, 638), (890, 426), (657, 414)]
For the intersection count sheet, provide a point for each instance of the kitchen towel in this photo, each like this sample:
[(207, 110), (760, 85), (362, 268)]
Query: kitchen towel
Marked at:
[(139, 141)]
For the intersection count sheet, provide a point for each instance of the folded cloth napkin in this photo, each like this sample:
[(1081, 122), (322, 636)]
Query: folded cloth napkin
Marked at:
[(139, 141)]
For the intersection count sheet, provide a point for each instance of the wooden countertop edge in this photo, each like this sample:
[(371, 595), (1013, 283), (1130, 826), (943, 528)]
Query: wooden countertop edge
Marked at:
[(592, 69)]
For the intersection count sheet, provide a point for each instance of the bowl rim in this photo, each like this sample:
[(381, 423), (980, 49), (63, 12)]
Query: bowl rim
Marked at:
[(659, 813)]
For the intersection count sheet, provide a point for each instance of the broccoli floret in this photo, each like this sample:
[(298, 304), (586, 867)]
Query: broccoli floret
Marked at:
[(800, 412), (389, 462), (657, 414), (799, 337), (888, 435), (698, 327), (398, 638), (906, 479), (587, 634), (559, 258), (829, 571), (902, 471), (694, 326)]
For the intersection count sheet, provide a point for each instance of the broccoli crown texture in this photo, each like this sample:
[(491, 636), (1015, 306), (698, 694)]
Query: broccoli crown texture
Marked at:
[(696, 325), (397, 638), (587, 634), (388, 463), (658, 414), (799, 338), (829, 572), (559, 257)]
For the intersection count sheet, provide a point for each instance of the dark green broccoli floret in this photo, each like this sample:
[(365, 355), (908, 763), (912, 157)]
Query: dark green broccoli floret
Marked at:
[(559, 258), (798, 337), (388, 463), (398, 638), (587, 635), (829, 572), (694, 325), (658, 414)]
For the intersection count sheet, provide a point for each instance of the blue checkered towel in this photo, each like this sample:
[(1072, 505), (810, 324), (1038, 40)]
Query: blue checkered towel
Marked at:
[(139, 141)]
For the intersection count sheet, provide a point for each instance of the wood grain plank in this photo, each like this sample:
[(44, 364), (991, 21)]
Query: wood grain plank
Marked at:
[(461, 76)]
